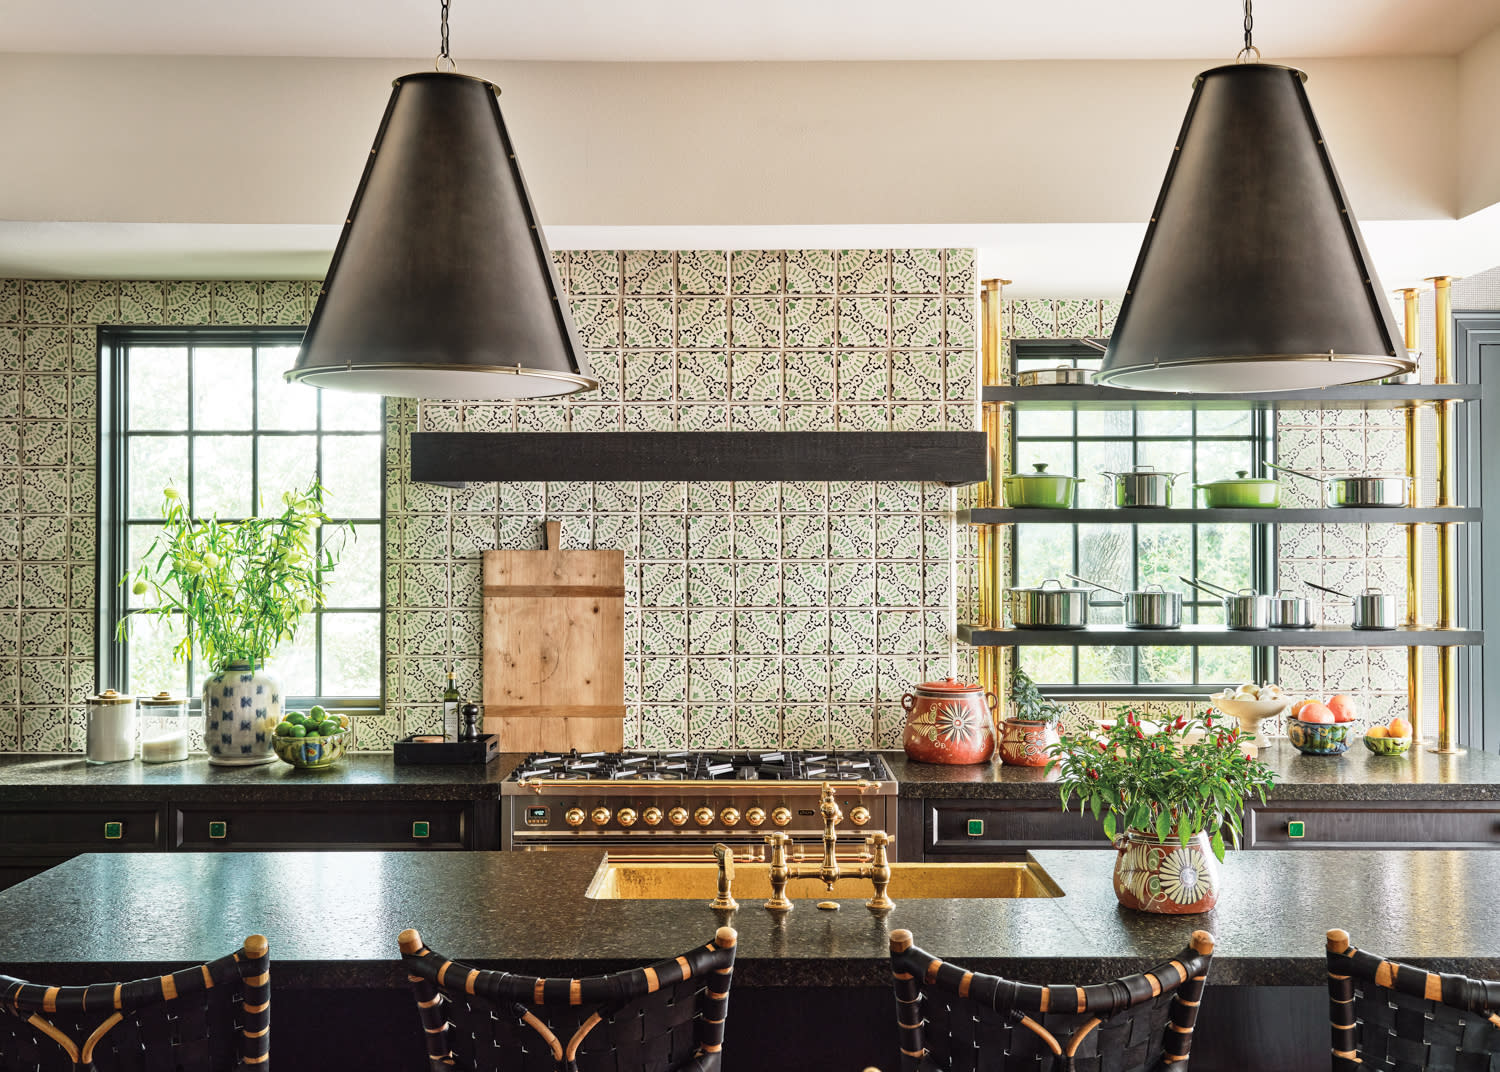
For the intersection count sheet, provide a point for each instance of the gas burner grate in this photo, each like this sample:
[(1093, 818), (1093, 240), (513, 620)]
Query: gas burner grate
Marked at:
[(703, 766)]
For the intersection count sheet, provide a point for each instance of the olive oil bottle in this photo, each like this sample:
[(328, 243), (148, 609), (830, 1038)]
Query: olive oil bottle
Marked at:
[(451, 704)]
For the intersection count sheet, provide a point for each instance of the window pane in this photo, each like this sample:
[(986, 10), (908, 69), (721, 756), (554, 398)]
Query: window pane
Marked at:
[(284, 407), (344, 411), (158, 388), (1164, 422), (1042, 551), (221, 476), (351, 654), (1227, 666), (1105, 665), (223, 394), (1164, 554), (1048, 666), (296, 662), (1170, 457), (287, 463), (1167, 666), (138, 543), (1226, 555), (352, 470), (1043, 422), (1224, 422), (1104, 554), (1094, 460), (1058, 457), (355, 581), (151, 667), (1218, 460), (155, 463), (1106, 423)]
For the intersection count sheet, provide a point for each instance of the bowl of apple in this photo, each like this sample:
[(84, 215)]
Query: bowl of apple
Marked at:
[(1392, 739), (1321, 729)]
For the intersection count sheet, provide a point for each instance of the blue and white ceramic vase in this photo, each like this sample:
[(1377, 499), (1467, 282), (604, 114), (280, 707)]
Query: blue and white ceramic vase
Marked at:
[(241, 706)]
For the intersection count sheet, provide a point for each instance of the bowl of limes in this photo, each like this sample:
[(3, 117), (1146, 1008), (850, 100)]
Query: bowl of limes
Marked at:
[(310, 740)]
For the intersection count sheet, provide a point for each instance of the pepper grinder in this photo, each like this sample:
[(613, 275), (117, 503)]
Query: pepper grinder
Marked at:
[(470, 732)]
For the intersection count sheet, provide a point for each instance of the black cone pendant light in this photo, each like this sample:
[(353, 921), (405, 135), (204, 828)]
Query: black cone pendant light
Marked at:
[(442, 285), (1253, 275)]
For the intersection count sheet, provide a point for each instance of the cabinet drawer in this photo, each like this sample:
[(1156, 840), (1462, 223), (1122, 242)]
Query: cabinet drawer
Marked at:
[(1005, 828), (394, 825), (1394, 824), (65, 829)]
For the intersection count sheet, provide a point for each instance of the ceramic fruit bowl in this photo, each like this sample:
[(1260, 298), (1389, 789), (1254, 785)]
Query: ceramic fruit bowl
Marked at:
[(310, 753), (1318, 738), (1251, 713), (1388, 746)]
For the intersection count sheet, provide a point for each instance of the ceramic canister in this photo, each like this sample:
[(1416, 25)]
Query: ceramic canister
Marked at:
[(949, 722)]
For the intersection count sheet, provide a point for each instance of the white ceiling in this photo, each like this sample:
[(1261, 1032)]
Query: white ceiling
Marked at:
[(748, 29)]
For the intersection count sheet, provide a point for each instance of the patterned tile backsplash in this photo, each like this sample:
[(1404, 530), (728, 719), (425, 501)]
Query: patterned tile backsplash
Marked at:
[(757, 614)]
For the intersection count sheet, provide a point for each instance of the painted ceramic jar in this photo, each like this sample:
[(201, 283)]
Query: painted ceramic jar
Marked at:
[(1166, 876), (1025, 744), (241, 707), (949, 721)]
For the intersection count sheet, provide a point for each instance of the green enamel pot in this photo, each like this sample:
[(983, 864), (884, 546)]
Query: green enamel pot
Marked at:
[(1041, 489), (1244, 491)]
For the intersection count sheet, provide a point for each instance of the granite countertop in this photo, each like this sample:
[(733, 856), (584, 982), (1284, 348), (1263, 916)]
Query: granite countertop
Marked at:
[(1358, 774), (360, 776), (144, 913)]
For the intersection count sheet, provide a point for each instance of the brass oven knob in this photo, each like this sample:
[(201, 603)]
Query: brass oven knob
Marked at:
[(859, 815), (627, 816), (781, 816), (573, 816), (755, 816), (600, 816), (704, 816), (729, 816), (652, 815), (678, 816)]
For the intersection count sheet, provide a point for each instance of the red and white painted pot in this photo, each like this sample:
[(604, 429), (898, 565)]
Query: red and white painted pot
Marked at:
[(1025, 744), (949, 721), (1169, 877)]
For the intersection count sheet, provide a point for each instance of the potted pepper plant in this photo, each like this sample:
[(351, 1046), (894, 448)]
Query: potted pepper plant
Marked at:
[(1166, 796), (1030, 729), (241, 588)]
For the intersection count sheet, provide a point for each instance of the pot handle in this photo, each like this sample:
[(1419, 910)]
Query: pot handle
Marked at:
[(908, 702), (1373, 592), (989, 698), (1294, 472), (1121, 843)]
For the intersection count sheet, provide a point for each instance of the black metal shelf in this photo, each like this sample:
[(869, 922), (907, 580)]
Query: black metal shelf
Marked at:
[(1325, 636), (1359, 396), (1352, 515), (937, 457)]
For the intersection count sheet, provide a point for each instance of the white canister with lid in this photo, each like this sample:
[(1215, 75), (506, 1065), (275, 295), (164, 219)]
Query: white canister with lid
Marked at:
[(164, 728), (111, 728)]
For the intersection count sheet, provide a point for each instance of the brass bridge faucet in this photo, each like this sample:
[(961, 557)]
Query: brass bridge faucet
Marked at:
[(875, 866)]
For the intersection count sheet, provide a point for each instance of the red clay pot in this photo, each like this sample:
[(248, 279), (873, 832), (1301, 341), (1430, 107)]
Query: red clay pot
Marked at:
[(1166, 876), (949, 721), (1024, 744)]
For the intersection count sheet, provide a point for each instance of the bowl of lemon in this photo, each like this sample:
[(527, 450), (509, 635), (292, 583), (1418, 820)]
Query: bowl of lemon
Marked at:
[(310, 740)]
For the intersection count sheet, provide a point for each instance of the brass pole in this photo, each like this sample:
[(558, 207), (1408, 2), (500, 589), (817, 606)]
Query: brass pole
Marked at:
[(1447, 532), (1415, 676), (990, 312)]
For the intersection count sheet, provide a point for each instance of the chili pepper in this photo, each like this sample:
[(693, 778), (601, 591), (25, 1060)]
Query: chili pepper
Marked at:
[(1180, 723), (1130, 717), (1103, 747), (1093, 774), (1208, 718), (1140, 733)]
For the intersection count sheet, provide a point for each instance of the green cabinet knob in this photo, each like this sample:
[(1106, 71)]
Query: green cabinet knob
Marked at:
[(218, 829), (1296, 828), (114, 831), (976, 827), (420, 828)]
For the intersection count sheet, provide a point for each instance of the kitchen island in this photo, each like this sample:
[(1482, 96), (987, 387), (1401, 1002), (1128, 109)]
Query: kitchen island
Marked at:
[(332, 920)]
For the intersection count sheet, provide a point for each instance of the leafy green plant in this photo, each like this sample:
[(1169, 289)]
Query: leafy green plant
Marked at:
[(1156, 782), (241, 586), (1031, 705)]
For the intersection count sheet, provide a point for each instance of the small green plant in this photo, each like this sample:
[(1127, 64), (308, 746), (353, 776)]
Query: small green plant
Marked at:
[(1031, 705), (1156, 782), (242, 587)]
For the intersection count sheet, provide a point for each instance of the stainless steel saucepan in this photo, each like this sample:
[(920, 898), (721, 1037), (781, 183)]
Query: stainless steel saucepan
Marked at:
[(1245, 609), (1373, 609), (1144, 485), (1048, 606), (1290, 611), (1148, 608), (1358, 490)]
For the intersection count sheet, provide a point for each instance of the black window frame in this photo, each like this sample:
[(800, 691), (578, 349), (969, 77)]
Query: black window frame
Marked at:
[(1086, 353), (112, 524)]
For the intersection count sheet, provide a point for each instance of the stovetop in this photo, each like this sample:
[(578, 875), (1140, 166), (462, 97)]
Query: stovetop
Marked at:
[(727, 767)]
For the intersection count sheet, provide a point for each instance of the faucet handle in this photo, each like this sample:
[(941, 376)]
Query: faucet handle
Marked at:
[(725, 899), (879, 839)]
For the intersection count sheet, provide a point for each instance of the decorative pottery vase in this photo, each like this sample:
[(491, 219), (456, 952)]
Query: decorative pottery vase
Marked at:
[(949, 721), (241, 707), (1166, 876), (1025, 744)]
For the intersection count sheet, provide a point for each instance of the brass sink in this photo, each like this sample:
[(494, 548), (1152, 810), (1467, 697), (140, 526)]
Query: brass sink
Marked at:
[(643, 879)]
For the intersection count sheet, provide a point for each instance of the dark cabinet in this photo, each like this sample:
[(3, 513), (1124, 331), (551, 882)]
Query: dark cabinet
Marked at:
[(942, 830), (447, 824), (35, 837), (1385, 824)]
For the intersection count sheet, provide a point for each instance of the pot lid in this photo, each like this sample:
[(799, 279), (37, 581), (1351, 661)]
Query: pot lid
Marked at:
[(1051, 584), (949, 686), (1040, 474), (1241, 476), (110, 696)]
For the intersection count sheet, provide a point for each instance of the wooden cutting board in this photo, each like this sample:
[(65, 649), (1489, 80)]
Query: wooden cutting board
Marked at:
[(554, 648)]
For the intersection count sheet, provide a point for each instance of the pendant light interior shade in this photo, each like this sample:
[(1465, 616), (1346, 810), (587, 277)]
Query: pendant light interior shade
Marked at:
[(1253, 275), (442, 285)]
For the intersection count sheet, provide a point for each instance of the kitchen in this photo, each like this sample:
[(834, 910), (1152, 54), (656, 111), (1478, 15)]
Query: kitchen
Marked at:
[(780, 596)]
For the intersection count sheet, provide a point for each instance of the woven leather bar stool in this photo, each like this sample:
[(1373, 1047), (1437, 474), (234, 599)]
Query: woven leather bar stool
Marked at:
[(1386, 1015), (668, 1017), (208, 1018), (952, 1020)]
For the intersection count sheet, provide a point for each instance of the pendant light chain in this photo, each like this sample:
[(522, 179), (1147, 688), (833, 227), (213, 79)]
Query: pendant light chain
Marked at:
[(1249, 50), (445, 61)]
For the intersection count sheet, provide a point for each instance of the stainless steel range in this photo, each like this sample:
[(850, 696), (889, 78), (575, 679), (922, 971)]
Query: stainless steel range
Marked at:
[(685, 802)]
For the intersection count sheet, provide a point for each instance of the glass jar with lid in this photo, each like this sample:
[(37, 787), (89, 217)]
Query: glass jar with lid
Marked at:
[(164, 728), (111, 728)]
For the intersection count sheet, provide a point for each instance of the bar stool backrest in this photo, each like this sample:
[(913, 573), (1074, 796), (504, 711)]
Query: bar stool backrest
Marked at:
[(952, 1020), (668, 1017), (208, 1018), (1387, 1015)]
